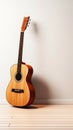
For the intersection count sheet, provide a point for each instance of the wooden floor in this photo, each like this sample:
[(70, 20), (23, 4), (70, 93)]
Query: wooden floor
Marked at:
[(36, 117)]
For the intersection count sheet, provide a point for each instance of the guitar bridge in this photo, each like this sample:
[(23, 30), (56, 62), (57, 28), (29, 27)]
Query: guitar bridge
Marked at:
[(17, 90)]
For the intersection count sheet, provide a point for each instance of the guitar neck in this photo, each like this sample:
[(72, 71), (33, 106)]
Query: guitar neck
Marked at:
[(23, 28), (20, 52)]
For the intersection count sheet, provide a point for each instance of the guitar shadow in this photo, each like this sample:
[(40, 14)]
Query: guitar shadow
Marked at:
[(27, 107), (43, 91)]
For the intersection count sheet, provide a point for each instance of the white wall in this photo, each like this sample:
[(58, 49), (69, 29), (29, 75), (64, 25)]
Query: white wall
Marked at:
[(48, 46)]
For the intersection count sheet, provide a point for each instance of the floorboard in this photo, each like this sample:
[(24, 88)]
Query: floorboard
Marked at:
[(36, 117)]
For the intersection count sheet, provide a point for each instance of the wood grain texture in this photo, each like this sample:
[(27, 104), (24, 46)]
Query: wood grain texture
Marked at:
[(37, 117), (21, 99)]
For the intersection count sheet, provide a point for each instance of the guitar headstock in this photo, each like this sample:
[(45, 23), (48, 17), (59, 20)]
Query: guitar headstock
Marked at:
[(25, 23)]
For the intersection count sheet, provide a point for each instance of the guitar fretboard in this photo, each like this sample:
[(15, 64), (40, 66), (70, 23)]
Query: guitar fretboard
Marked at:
[(20, 52)]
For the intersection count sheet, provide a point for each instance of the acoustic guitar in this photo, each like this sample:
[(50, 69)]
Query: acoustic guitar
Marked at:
[(20, 91)]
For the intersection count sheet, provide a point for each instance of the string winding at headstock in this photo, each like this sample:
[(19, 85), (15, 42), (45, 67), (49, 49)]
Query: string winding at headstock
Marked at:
[(25, 23)]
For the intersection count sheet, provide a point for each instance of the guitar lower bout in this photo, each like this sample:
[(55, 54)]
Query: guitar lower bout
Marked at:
[(20, 91)]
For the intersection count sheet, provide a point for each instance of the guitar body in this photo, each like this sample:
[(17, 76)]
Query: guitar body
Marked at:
[(20, 91)]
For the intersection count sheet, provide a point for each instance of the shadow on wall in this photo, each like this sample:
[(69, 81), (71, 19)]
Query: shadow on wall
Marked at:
[(35, 28), (42, 88), (42, 91)]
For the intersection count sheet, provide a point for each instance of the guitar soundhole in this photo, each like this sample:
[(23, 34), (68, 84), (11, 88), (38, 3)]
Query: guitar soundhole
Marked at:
[(18, 76)]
